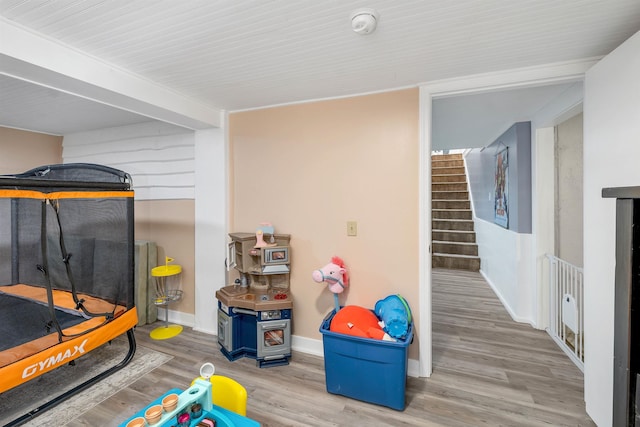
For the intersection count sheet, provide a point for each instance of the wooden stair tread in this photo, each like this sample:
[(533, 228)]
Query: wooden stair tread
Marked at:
[(438, 230), (449, 242), (456, 255), (450, 193)]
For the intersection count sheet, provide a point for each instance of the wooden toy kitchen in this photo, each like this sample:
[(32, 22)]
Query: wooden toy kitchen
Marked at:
[(254, 314)]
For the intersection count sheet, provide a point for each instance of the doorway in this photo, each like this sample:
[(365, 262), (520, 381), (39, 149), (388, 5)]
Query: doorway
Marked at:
[(486, 84)]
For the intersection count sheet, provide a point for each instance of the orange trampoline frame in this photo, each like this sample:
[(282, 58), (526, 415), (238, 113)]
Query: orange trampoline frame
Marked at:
[(25, 362)]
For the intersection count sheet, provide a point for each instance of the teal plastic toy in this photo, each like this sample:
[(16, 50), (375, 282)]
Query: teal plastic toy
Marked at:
[(394, 311)]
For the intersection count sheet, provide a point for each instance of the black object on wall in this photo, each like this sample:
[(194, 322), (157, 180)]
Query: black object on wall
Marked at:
[(626, 358)]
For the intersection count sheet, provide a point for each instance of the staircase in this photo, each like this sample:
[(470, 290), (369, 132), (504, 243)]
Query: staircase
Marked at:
[(453, 236)]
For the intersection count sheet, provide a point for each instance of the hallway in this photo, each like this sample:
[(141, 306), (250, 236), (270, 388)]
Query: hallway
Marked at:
[(490, 370)]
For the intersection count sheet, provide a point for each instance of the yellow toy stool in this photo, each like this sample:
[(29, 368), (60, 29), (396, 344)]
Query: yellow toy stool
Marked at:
[(225, 392), (168, 283), (229, 394)]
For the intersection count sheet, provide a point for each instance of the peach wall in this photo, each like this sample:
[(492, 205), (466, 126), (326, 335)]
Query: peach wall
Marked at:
[(28, 150), (312, 167), (170, 223)]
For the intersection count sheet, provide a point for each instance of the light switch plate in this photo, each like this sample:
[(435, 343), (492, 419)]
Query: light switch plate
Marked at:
[(352, 228)]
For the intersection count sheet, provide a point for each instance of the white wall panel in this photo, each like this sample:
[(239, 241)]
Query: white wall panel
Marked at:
[(506, 263), (211, 224), (611, 153), (139, 144), (170, 180), (142, 130), (159, 167), (160, 158), (133, 156), (160, 193)]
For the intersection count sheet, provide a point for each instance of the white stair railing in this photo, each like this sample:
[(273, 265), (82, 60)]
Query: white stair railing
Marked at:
[(566, 322)]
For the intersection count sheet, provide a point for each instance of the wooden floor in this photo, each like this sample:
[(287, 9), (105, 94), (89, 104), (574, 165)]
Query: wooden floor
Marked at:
[(487, 370)]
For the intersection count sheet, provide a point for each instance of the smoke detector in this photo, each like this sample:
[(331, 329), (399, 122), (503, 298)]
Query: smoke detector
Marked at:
[(364, 21)]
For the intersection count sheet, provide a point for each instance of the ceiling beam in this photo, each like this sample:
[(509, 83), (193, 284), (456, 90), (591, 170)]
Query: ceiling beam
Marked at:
[(28, 56)]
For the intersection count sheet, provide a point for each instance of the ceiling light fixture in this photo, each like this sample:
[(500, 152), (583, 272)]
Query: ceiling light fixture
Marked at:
[(364, 21)]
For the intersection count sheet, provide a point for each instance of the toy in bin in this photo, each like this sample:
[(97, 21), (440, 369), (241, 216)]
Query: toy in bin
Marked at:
[(335, 275), (389, 321), (359, 322), (395, 314), (371, 370)]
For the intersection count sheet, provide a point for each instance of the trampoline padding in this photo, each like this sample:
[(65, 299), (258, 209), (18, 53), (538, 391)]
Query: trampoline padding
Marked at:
[(63, 300), (23, 320)]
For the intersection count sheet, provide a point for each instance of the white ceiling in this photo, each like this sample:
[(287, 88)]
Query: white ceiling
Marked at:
[(477, 120), (41, 109), (231, 55)]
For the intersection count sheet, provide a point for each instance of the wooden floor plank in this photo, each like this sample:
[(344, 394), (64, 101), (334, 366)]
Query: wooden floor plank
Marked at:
[(487, 370)]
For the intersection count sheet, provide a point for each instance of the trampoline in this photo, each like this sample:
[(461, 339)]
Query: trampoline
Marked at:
[(66, 269)]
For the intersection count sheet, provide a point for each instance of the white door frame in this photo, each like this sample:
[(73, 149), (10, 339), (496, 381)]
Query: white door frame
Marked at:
[(503, 80)]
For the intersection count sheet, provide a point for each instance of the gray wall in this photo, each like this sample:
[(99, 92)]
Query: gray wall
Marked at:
[(481, 164), (568, 215)]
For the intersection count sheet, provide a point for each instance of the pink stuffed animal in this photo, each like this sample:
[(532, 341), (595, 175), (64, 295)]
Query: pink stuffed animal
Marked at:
[(335, 274)]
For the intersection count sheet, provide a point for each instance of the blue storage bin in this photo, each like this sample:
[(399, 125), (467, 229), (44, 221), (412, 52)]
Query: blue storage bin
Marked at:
[(366, 369)]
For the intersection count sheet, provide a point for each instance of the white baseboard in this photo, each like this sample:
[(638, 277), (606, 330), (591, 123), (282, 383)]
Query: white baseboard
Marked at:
[(413, 368), (307, 345), (505, 304), (302, 344), (178, 317), (205, 331)]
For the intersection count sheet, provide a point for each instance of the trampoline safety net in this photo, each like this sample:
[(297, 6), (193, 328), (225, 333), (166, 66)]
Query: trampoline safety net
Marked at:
[(69, 227)]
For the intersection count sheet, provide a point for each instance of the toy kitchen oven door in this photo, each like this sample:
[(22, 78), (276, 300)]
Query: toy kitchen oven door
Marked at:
[(263, 335)]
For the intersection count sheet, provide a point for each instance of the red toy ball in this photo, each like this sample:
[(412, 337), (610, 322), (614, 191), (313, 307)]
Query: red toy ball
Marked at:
[(357, 321)]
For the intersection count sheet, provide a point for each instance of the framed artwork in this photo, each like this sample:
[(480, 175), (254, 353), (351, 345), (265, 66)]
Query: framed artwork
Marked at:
[(501, 190)]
